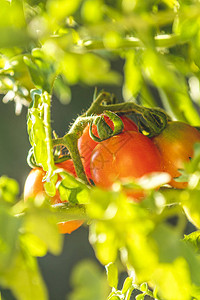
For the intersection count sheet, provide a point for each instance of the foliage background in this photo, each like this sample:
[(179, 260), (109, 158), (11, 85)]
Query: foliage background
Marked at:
[(167, 64)]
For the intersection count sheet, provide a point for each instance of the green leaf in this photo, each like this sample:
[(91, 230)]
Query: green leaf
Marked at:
[(24, 278), (9, 233), (194, 239), (112, 275), (127, 284), (140, 297), (40, 135), (35, 245), (191, 206), (132, 74), (170, 278), (71, 189), (88, 68), (92, 11), (88, 282), (144, 287), (41, 70), (62, 90), (60, 10), (49, 235), (9, 189)]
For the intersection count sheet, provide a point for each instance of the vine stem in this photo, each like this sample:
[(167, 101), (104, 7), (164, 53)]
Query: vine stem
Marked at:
[(161, 41), (65, 212)]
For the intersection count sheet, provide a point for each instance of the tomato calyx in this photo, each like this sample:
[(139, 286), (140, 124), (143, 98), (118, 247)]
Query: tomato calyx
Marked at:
[(103, 129), (153, 122)]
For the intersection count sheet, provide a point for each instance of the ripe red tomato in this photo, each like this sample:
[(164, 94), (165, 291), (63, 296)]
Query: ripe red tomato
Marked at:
[(34, 186), (175, 143), (128, 154), (86, 144)]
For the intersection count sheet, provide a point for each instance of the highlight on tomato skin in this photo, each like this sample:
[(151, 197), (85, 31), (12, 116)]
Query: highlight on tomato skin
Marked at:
[(126, 155), (176, 146), (35, 186), (86, 144)]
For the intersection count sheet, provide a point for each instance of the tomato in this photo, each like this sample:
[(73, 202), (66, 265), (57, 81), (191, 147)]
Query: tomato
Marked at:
[(34, 186), (175, 144), (86, 144), (128, 154)]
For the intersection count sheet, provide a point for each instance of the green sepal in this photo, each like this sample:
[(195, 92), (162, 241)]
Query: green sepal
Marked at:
[(118, 124), (103, 129)]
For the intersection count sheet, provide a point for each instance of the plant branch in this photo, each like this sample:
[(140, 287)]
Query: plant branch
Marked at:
[(160, 41), (66, 212)]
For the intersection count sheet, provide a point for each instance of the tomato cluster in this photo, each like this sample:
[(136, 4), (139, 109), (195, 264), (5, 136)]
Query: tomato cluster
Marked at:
[(130, 154), (127, 155)]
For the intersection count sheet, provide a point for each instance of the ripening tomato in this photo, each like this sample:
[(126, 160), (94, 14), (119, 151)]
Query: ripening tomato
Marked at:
[(128, 154), (176, 143), (34, 186), (86, 144)]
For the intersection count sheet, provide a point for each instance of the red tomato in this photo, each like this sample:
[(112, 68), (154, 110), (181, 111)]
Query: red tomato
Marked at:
[(34, 186), (175, 143), (126, 155), (86, 144)]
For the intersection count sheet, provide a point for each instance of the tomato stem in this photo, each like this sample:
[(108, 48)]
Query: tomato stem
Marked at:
[(71, 142), (160, 41)]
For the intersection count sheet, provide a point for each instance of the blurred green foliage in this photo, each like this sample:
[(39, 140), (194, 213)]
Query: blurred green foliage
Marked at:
[(49, 46)]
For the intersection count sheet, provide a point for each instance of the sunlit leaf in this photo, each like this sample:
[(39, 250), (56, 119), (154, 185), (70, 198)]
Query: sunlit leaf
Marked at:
[(9, 189), (9, 234), (112, 275), (24, 278), (92, 286), (49, 235)]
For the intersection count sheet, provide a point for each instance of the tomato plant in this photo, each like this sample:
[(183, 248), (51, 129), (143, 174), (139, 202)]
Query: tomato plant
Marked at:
[(86, 144), (147, 53), (176, 146), (34, 186), (129, 154)]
